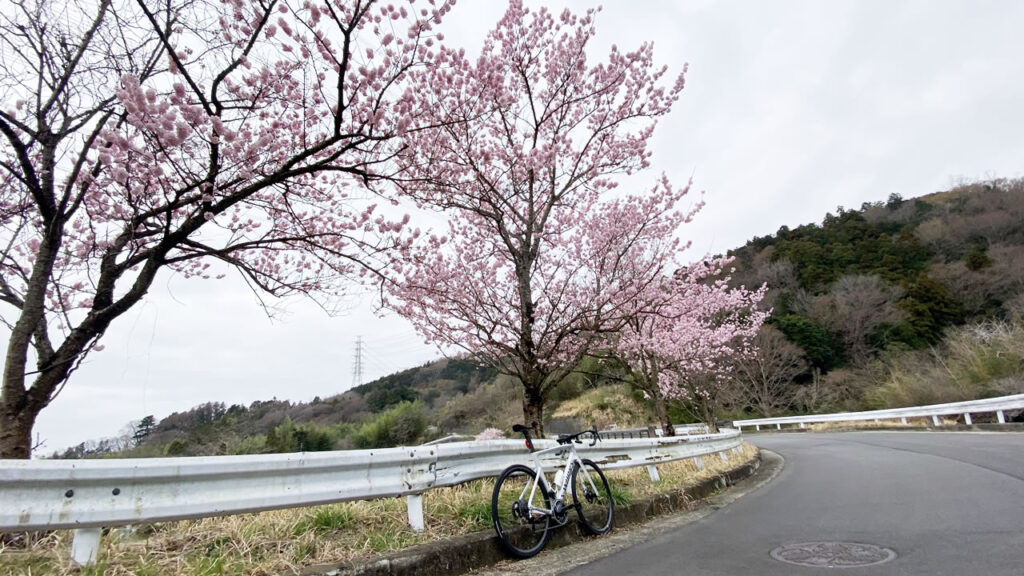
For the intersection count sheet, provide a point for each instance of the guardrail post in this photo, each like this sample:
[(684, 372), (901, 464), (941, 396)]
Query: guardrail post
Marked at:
[(725, 457), (757, 427), (967, 419), (652, 470), (778, 426), (85, 545), (904, 419), (414, 502), (699, 462), (803, 425), (1000, 417), (935, 420)]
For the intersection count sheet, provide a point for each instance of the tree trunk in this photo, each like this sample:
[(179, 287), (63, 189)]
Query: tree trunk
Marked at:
[(15, 430), (707, 409), (649, 374), (533, 409), (661, 407), (19, 406)]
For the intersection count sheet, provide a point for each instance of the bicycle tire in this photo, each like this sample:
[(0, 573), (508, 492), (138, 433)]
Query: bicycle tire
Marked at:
[(596, 508), (522, 536)]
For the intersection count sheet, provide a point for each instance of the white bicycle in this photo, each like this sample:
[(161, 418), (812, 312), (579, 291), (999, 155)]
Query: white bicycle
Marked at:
[(525, 506)]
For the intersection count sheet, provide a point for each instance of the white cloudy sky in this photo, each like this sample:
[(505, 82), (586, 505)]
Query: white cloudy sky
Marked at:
[(790, 109)]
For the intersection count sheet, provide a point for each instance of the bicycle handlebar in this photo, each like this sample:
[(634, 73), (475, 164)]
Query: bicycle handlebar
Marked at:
[(566, 438), (562, 438)]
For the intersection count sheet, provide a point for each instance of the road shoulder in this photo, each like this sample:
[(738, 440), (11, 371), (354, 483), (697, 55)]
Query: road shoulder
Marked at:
[(479, 553), (559, 560)]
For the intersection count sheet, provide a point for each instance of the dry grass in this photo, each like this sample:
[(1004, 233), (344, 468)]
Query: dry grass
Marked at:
[(912, 424), (284, 541), (635, 483), (606, 406), (973, 361)]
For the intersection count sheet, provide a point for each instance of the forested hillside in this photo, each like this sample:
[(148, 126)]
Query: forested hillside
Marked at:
[(901, 302)]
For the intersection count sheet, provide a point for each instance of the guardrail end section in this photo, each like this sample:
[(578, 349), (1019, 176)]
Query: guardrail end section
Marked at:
[(414, 502), (85, 546)]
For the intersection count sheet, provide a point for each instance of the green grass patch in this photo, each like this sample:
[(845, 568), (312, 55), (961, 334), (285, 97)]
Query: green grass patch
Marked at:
[(390, 539), (326, 519), (477, 513)]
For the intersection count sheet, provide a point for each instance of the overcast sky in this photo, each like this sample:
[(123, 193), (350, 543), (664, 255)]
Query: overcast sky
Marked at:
[(790, 110)]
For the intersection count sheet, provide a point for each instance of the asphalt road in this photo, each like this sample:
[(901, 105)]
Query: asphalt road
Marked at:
[(945, 503)]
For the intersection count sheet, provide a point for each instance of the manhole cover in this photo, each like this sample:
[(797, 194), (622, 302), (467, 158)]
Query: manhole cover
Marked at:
[(833, 554)]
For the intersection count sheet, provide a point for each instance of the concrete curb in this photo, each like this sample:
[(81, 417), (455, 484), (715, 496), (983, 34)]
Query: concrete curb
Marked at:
[(481, 549)]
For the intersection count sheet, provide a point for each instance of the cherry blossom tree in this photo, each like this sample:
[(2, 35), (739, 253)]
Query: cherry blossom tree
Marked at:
[(146, 136), (543, 254), (683, 338)]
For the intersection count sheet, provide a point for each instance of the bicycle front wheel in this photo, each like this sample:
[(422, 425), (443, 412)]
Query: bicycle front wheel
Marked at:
[(523, 532), (593, 498)]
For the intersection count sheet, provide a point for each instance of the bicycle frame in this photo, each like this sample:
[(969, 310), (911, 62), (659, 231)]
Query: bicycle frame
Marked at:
[(572, 462)]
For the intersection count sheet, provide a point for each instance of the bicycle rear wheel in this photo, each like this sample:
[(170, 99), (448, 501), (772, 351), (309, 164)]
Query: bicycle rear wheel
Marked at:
[(593, 498), (521, 532)]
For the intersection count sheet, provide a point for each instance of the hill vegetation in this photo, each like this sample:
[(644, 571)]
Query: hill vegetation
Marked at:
[(897, 303), (402, 408)]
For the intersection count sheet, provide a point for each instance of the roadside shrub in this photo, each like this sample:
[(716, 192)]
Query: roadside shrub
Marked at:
[(288, 437), (402, 425), (177, 447)]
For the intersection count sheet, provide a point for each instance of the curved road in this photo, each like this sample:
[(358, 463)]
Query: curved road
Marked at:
[(945, 503)]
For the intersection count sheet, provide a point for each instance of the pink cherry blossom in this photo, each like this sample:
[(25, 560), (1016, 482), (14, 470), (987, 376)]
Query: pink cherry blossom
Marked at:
[(545, 255), (235, 150), (681, 337)]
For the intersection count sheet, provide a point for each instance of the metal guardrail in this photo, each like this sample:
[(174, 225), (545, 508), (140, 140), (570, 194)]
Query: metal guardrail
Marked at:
[(652, 432), (999, 406), (86, 495)]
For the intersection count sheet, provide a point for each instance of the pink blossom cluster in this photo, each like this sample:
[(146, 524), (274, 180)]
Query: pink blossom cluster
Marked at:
[(245, 150), (490, 434), (690, 328)]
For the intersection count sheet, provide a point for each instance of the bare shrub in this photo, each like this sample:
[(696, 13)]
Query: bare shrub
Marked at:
[(856, 306), (764, 379), (840, 390)]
